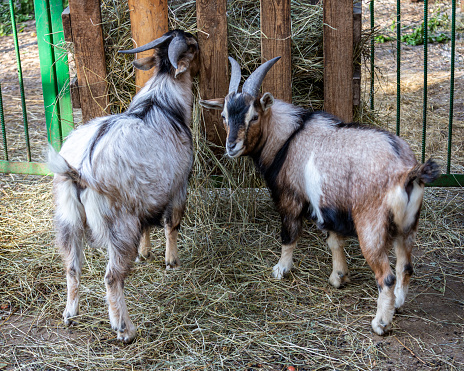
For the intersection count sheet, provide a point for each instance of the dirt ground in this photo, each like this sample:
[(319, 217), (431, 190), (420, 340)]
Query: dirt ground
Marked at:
[(427, 335)]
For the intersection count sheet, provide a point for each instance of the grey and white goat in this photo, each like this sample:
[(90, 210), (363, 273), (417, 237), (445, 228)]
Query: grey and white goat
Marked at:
[(351, 180), (118, 175)]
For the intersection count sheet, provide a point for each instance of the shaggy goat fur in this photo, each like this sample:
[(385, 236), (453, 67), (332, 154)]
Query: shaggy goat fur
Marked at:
[(351, 180), (118, 175)]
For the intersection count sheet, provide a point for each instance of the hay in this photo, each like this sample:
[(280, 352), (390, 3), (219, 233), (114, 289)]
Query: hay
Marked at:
[(244, 45), (221, 310)]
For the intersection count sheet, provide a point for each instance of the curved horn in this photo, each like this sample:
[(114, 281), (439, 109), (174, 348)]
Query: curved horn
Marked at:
[(176, 48), (151, 45), (254, 81), (235, 76)]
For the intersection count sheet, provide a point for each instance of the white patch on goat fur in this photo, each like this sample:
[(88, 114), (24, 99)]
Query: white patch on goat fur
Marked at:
[(385, 310), (69, 209), (96, 206), (313, 180), (415, 201), (285, 262), (397, 200)]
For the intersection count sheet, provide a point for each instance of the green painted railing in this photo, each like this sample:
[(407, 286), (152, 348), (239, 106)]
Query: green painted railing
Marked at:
[(447, 179), (55, 85)]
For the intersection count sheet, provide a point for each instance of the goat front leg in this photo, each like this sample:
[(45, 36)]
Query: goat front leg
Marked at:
[(171, 231), (145, 253), (340, 274), (290, 232)]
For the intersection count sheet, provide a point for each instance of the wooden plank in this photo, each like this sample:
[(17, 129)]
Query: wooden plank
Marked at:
[(357, 28), (89, 56), (338, 58), (149, 20), (67, 29), (32, 168), (276, 41), (214, 69)]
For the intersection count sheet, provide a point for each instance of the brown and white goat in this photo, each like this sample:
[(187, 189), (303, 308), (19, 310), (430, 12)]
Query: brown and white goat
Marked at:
[(351, 180), (118, 175)]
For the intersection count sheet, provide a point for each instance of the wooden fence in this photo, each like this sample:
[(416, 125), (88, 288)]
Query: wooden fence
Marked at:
[(149, 20)]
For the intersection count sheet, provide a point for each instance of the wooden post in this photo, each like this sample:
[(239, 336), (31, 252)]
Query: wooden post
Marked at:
[(357, 28), (276, 40), (90, 57), (338, 58), (149, 20), (214, 70)]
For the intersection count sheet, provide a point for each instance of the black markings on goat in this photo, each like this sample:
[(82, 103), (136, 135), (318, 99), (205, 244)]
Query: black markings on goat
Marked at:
[(390, 281), (339, 221)]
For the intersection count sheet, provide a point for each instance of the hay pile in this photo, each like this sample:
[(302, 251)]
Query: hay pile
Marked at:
[(244, 45), (221, 310)]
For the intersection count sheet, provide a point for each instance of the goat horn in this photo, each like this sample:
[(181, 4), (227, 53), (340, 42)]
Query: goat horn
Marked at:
[(235, 76), (151, 45), (254, 81), (176, 48)]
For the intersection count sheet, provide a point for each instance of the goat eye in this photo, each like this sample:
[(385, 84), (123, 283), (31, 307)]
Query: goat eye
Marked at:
[(254, 118)]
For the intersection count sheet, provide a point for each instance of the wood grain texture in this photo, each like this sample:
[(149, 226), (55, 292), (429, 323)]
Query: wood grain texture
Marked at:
[(66, 19), (276, 41), (357, 28), (89, 56), (149, 20), (214, 70), (338, 58)]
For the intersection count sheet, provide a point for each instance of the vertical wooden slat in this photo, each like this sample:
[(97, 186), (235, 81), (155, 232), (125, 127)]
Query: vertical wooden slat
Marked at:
[(276, 40), (338, 58), (90, 57), (214, 70), (357, 27), (149, 20)]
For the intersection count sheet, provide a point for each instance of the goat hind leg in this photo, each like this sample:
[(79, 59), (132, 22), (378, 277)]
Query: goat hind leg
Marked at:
[(117, 309), (69, 241), (404, 270)]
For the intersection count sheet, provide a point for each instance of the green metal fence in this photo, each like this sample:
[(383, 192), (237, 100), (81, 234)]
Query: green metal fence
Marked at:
[(55, 84), (447, 179)]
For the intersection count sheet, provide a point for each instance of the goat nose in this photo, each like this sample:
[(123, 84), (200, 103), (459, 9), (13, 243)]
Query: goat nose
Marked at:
[(231, 145)]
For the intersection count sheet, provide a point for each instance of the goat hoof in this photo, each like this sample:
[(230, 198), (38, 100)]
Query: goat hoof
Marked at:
[(279, 272), (174, 264), (380, 327), (127, 335), (338, 279), (68, 317), (145, 259)]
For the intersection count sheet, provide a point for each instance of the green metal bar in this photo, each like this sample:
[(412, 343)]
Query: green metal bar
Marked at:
[(2, 120), (448, 180), (33, 168), (424, 110), (47, 71), (371, 10), (20, 77), (61, 68), (398, 66), (453, 47)]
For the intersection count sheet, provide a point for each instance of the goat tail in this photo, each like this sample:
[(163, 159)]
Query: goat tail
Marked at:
[(57, 164), (424, 173)]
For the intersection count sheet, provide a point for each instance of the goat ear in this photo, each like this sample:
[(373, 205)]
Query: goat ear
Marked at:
[(217, 103), (182, 66), (267, 100), (144, 64)]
